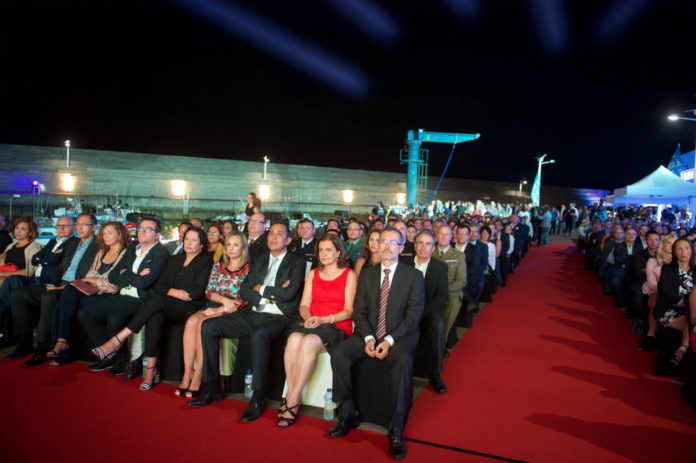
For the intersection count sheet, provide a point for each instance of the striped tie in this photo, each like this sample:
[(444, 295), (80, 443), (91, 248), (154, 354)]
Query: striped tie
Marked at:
[(384, 296)]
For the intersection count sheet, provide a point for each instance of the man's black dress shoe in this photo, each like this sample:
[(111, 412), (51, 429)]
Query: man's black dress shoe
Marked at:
[(344, 425), (22, 350), (254, 410), (134, 368), (101, 365), (397, 445), (207, 398), (120, 366), (37, 359), (437, 383)]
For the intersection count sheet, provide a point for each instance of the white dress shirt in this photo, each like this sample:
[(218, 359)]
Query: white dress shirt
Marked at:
[(139, 257), (265, 305), (392, 269)]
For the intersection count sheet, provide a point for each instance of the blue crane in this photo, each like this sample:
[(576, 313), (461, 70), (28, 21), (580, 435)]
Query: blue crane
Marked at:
[(414, 141)]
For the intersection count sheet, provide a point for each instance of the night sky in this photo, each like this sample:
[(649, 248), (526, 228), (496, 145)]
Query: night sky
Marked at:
[(589, 83)]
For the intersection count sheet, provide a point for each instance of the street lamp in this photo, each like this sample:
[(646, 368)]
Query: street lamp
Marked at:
[(67, 153), (265, 162), (522, 182), (536, 188), (674, 117)]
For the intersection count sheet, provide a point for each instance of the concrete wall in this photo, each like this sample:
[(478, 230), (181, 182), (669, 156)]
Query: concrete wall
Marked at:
[(220, 186)]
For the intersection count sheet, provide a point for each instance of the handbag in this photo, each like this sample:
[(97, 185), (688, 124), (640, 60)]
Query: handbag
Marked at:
[(8, 268), (84, 287)]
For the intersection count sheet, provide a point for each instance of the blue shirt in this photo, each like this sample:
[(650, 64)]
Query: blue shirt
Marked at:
[(69, 274)]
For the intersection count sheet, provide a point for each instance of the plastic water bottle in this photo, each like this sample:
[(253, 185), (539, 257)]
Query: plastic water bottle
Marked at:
[(328, 405), (144, 366), (247, 385)]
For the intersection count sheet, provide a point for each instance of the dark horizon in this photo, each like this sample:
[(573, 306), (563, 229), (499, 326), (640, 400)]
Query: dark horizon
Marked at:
[(591, 85)]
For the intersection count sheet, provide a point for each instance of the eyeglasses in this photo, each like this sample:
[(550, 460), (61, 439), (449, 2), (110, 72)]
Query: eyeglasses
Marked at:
[(146, 229), (390, 242)]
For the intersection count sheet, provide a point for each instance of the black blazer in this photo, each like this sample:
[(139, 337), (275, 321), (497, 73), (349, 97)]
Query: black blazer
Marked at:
[(405, 305), (83, 266), (408, 254), (436, 287), (193, 278), (123, 275), (668, 290), (307, 253), (292, 269), (258, 247), (49, 260)]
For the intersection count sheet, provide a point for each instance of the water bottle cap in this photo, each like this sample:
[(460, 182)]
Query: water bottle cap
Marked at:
[(248, 371), (328, 390)]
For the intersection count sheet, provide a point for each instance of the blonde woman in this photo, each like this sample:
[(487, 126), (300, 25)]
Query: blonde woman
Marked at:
[(653, 270), (222, 292)]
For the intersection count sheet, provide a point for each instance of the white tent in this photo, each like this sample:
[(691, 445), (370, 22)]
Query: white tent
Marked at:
[(660, 187)]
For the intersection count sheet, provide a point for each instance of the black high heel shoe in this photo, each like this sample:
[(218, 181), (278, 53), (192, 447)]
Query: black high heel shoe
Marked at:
[(181, 391), (289, 421), (98, 352), (145, 386)]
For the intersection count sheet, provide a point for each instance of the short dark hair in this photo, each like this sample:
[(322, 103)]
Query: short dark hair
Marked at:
[(306, 220), (393, 229), (651, 232), (202, 236), (158, 228), (283, 223), (333, 237), (92, 217), (33, 230)]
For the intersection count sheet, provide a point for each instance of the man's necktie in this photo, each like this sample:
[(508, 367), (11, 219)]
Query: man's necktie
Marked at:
[(384, 296), (270, 278)]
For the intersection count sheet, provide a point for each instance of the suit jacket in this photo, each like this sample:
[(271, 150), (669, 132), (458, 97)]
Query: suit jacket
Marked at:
[(405, 304), (287, 299), (436, 291), (5, 240), (258, 247), (456, 268), (83, 266), (668, 290), (123, 275), (171, 247), (193, 278), (50, 261), (306, 253), (408, 254)]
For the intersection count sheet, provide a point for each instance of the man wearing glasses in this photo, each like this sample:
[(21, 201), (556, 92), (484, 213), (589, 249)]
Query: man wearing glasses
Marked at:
[(388, 307), (258, 240), (78, 258), (104, 315)]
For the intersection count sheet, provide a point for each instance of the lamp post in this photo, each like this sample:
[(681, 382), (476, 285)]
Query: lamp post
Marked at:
[(67, 153), (265, 162), (519, 192)]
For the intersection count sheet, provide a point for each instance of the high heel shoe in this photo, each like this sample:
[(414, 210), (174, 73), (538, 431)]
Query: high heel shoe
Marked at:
[(51, 354), (63, 358), (145, 386), (289, 421), (181, 392), (99, 352), (283, 405)]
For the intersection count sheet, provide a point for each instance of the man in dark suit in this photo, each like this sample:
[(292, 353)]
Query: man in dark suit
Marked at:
[(388, 307), (258, 240), (432, 325), (78, 259), (409, 252), (104, 315), (272, 289), (46, 262), (5, 238), (303, 245), (177, 246)]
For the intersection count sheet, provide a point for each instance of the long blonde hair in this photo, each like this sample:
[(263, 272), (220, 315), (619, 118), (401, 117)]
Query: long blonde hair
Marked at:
[(245, 248), (663, 256)]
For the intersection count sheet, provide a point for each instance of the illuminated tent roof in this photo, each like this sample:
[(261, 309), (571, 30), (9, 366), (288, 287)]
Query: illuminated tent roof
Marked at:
[(661, 187)]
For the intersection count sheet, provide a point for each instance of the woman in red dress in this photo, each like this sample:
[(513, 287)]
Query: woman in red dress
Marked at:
[(326, 309)]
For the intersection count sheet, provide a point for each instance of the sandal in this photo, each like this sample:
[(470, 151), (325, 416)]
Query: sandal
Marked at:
[(51, 354), (99, 352), (63, 358), (679, 355), (182, 391), (145, 386), (289, 421)]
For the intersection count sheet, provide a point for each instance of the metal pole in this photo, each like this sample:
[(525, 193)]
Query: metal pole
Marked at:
[(67, 153), (412, 177)]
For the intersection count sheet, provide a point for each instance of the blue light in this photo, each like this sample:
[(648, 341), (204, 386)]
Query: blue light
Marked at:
[(551, 25), (619, 17), (466, 10), (370, 18), (282, 44)]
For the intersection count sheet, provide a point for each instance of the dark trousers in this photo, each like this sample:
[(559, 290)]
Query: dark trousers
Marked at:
[(12, 283), (104, 315), (68, 304), (399, 361), (154, 312), (26, 304), (261, 328), (432, 332)]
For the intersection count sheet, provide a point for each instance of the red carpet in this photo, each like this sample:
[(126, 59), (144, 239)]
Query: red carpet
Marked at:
[(550, 373)]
